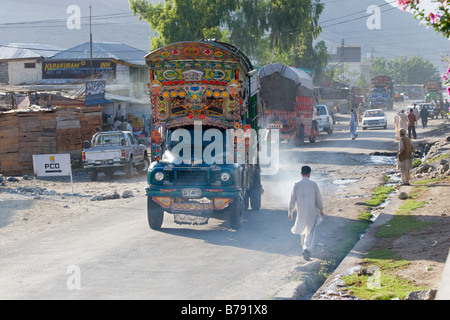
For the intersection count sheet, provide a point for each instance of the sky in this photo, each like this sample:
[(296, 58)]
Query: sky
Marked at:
[(51, 22)]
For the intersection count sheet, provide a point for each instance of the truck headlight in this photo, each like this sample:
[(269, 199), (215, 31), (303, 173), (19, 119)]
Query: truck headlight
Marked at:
[(225, 176), (159, 176)]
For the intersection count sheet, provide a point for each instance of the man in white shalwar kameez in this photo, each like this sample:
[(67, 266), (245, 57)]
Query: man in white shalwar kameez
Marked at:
[(400, 122), (307, 200)]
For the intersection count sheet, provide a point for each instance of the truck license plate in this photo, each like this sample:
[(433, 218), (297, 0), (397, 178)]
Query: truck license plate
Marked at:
[(191, 192)]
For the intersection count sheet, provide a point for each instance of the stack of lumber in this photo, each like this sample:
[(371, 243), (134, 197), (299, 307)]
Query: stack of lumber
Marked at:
[(27, 133)]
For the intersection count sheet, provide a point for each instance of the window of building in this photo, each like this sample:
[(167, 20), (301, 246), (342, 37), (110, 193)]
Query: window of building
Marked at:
[(30, 65)]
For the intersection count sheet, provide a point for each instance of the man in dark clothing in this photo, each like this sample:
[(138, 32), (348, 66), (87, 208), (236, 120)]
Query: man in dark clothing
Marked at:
[(424, 116), (441, 107), (412, 124)]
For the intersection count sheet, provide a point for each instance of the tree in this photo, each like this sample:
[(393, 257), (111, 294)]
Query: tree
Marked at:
[(412, 70), (439, 20), (266, 30), (185, 20)]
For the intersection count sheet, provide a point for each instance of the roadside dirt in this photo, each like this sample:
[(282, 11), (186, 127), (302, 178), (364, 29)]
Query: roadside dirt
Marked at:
[(426, 248)]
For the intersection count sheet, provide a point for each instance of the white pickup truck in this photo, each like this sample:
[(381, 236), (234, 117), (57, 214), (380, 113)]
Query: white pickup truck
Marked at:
[(112, 151)]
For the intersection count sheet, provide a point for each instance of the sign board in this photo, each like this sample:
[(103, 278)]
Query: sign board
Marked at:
[(50, 165), (47, 165), (95, 91)]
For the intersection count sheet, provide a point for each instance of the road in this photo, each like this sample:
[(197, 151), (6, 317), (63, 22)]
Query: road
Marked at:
[(114, 255)]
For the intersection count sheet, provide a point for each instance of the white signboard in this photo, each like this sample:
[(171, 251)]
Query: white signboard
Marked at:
[(52, 165)]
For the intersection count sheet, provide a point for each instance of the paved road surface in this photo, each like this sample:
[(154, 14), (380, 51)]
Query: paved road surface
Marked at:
[(115, 255)]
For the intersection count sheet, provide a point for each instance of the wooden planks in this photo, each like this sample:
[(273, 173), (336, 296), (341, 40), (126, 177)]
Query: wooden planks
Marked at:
[(26, 133)]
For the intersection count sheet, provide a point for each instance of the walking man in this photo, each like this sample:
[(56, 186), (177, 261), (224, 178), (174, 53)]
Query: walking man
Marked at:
[(424, 116), (307, 200), (353, 125), (404, 157), (412, 124)]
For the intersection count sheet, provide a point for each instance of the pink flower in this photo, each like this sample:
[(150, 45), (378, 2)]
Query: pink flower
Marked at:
[(444, 77), (448, 90), (403, 2)]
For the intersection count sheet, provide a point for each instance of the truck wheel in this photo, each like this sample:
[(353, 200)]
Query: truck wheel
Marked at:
[(256, 190), (255, 199), (300, 136), (155, 214), (235, 213), (142, 168), (129, 168), (93, 174)]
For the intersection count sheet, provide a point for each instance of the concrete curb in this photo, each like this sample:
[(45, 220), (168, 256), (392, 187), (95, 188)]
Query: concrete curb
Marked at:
[(357, 254)]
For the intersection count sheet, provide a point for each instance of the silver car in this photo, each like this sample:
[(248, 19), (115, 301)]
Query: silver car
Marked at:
[(374, 118)]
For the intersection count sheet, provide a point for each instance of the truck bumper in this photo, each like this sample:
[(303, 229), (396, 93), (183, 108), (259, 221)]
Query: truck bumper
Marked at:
[(172, 200)]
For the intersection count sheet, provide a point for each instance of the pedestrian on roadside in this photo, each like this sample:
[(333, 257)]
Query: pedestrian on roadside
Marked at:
[(416, 113), (353, 124), (360, 112), (424, 116), (400, 122), (447, 105), (405, 156), (412, 124), (441, 108), (306, 199)]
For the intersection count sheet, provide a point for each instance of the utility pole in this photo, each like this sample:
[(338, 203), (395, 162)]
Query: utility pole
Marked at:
[(90, 41), (342, 61)]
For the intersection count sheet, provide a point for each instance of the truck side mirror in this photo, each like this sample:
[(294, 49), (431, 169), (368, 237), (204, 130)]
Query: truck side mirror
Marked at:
[(86, 144)]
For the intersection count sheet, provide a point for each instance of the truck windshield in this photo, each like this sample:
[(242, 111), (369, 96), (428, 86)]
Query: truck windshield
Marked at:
[(181, 146)]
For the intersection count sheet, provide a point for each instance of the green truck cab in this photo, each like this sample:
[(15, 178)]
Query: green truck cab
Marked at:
[(204, 129)]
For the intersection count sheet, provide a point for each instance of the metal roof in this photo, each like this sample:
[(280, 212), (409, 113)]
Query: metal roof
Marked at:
[(103, 50), (26, 51)]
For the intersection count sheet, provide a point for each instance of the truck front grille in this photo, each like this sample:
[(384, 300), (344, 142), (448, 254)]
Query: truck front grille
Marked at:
[(191, 177)]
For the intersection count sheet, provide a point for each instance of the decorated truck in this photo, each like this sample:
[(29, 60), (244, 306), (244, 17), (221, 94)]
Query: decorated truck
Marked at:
[(288, 98), (382, 93), (432, 90), (204, 134)]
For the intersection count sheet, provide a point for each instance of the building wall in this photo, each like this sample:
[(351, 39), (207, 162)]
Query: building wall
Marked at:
[(19, 74), (4, 75)]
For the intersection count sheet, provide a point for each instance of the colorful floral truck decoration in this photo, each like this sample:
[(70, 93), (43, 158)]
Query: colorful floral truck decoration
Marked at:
[(204, 146)]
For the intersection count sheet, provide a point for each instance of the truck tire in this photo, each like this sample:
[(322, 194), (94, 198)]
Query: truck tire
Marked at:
[(300, 136), (235, 213), (155, 214), (256, 190), (129, 168), (142, 168), (93, 174)]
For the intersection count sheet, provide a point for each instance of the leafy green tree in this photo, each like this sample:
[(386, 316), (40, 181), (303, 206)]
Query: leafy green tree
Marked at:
[(185, 20), (412, 70), (266, 30)]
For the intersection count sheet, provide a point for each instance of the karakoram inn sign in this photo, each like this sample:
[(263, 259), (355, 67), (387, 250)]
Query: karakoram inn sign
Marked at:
[(77, 69)]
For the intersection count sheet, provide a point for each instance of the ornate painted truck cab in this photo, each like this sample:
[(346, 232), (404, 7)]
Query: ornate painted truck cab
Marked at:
[(204, 146)]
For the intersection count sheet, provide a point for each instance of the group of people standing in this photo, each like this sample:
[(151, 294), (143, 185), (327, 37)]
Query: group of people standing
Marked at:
[(409, 121)]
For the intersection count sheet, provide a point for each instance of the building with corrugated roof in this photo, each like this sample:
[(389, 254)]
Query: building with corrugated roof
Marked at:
[(21, 63)]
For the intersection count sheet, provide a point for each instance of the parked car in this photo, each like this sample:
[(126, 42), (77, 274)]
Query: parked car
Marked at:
[(432, 111), (373, 118), (324, 118), (114, 150)]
